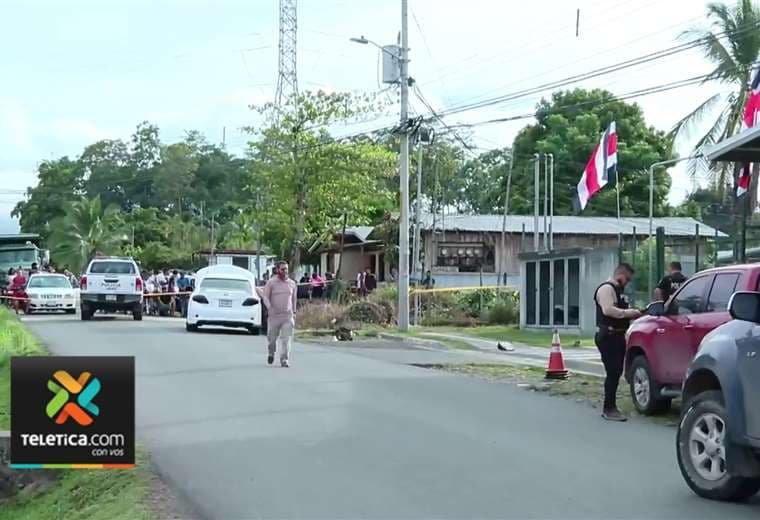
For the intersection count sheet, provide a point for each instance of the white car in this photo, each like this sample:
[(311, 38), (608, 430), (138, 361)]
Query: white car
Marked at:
[(224, 296), (51, 292), (111, 284)]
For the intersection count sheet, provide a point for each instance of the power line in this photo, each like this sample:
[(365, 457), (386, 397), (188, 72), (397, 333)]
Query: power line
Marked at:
[(593, 73)]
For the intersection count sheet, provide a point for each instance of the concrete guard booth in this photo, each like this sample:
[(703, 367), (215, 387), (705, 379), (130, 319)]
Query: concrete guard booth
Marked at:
[(556, 287)]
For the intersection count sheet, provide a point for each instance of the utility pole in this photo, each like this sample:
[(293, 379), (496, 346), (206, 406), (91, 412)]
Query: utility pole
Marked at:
[(551, 202), (536, 175), (417, 222), (259, 212), (502, 254), (546, 202), (403, 252)]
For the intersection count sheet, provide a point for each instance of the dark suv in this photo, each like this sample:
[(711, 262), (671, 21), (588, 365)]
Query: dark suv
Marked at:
[(719, 432)]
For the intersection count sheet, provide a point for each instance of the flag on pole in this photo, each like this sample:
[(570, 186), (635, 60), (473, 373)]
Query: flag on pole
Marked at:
[(601, 168), (749, 119)]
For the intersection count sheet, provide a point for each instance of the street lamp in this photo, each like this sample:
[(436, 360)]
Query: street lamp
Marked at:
[(403, 253), (363, 41), (650, 285)]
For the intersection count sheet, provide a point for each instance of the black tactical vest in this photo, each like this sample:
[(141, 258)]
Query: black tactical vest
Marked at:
[(604, 322)]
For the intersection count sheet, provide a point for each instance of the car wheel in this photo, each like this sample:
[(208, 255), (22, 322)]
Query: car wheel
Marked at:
[(254, 330), (137, 314), (86, 313), (701, 451), (189, 327), (645, 392), (71, 311), (28, 311)]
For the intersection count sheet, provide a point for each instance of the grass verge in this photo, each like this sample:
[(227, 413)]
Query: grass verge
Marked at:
[(88, 494), (582, 388), (512, 334), (75, 494)]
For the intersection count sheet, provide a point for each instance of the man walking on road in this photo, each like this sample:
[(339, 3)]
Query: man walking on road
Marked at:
[(279, 296), (612, 319)]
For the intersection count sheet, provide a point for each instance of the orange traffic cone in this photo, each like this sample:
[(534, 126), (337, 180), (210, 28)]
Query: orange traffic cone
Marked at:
[(556, 368)]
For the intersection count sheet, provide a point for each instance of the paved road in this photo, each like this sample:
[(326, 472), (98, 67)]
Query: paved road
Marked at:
[(342, 434)]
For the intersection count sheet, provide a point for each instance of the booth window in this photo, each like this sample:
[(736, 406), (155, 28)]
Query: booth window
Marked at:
[(466, 257)]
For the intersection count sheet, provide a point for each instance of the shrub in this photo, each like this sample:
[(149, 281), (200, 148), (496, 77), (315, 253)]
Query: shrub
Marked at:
[(366, 312), (503, 313), (439, 316), (477, 302), (387, 298), (319, 315)]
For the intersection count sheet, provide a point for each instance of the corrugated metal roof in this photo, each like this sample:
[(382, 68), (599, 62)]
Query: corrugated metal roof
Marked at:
[(360, 232), (572, 225)]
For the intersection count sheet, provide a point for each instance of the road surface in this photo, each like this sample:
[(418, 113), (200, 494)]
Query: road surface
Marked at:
[(342, 434)]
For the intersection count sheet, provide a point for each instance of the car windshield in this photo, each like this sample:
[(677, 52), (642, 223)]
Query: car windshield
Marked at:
[(111, 267), (42, 282), (226, 284), (16, 257)]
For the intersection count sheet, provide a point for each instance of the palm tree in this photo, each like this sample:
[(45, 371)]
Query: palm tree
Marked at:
[(732, 44), (241, 231), (86, 230)]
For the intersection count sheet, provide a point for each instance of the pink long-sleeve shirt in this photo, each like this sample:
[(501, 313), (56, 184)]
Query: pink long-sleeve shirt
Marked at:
[(279, 296)]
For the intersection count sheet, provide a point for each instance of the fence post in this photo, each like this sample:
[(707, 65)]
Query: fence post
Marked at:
[(696, 249), (633, 264), (716, 247), (660, 241)]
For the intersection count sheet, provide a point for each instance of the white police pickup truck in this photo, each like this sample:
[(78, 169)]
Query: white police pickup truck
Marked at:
[(111, 284)]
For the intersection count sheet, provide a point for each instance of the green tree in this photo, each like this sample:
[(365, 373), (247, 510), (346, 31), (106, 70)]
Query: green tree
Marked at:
[(306, 179), (59, 182), (85, 230), (569, 126), (108, 172), (175, 175), (732, 44)]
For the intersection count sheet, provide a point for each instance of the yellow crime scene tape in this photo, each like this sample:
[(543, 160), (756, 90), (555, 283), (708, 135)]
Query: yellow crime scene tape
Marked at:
[(460, 289)]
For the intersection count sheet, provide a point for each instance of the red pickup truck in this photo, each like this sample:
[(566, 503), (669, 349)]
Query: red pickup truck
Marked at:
[(660, 345)]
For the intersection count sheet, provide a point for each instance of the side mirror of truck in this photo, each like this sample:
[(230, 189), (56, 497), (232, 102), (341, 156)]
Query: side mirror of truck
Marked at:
[(745, 306), (655, 309)]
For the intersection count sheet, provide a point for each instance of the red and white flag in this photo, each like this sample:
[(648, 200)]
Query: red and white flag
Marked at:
[(751, 115), (601, 168)]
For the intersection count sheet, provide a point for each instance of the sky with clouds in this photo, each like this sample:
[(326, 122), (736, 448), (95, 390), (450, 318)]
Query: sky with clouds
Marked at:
[(82, 70)]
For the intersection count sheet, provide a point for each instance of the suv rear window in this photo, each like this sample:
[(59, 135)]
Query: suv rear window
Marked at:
[(111, 267)]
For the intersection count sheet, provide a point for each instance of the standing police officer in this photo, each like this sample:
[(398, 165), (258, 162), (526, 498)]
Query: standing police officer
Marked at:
[(612, 319)]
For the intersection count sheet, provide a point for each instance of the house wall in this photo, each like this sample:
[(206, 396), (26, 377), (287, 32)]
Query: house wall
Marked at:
[(508, 254)]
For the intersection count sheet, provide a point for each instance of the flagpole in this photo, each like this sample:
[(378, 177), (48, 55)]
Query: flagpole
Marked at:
[(617, 190)]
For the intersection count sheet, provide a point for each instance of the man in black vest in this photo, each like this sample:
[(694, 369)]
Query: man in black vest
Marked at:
[(612, 319)]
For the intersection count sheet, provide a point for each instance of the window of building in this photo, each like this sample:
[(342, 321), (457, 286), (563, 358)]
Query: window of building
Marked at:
[(466, 257)]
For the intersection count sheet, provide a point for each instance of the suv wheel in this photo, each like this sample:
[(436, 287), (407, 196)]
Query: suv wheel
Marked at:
[(189, 327), (645, 393), (86, 313), (702, 451), (137, 313)]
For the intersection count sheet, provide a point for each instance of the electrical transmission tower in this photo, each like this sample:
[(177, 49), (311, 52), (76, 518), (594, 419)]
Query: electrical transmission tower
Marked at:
[(287, 79)]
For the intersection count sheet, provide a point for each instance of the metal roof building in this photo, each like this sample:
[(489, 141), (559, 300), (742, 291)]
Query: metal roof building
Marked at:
[(572, 225)]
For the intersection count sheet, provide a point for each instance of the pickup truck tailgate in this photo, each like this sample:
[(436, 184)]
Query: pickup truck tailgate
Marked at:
[(111, 284)]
